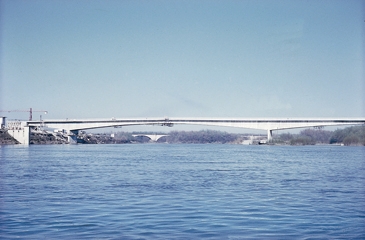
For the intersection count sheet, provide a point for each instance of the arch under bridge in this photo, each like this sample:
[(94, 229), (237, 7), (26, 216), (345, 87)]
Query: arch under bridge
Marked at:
[(21, 130), (152, 137)]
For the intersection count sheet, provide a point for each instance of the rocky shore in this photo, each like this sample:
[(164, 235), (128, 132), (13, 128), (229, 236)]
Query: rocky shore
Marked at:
[(6, 139), (39, 137), (43, 137), (46, 137)]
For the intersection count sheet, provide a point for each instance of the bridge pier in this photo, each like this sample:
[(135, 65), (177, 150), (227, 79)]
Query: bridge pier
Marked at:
[(269, 135), (3, 122), (72, 136)]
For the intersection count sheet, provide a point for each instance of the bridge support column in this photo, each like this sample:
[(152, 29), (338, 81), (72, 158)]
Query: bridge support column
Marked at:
[(3, 122), (72, 136), (269, 135)]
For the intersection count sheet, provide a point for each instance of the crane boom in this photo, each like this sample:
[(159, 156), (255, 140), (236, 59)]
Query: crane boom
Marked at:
[(30, 112)]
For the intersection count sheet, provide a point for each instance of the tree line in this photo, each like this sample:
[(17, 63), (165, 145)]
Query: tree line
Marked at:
[(354, 135), (203, 136)]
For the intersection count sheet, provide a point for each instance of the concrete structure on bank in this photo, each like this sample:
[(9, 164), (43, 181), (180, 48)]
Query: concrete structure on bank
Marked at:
[(21, 130)]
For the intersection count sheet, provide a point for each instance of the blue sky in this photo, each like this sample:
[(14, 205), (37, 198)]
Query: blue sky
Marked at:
[(101, 59)]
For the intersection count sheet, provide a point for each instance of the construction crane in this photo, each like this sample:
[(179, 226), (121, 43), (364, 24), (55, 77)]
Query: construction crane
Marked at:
[(30, 112)]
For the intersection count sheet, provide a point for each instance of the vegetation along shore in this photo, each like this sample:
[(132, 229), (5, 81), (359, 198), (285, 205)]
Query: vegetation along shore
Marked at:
[(354, 136)]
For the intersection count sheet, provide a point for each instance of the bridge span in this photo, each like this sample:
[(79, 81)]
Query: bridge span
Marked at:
[(152, 137), (73, 126)]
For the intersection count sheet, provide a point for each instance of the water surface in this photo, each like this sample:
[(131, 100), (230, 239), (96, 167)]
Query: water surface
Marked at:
[(168, 191)]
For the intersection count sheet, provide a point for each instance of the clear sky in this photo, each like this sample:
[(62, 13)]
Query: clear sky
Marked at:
[(188, 58)]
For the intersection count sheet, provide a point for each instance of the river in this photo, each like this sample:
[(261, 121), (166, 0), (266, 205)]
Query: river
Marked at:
[(182, 191)]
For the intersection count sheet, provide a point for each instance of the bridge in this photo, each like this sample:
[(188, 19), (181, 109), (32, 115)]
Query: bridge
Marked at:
[(21, 130), (152, 137)]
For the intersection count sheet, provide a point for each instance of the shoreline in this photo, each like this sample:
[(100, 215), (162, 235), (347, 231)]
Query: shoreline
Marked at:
[(202, 137)]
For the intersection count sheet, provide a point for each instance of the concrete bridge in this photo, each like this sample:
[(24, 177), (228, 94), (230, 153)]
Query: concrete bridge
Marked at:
[(21, 131), (152, 137)]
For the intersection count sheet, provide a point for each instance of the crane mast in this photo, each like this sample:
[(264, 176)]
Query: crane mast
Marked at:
[(30, 112)]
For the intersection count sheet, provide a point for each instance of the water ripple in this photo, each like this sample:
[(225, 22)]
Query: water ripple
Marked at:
[(158, 191)]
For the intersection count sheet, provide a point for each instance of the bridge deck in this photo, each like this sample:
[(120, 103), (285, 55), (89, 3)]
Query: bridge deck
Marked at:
[(255, 123), (72, 126)]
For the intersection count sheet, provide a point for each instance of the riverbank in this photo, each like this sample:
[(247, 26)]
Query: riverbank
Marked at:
[(350, 136), (39, 137), (6, 139)]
